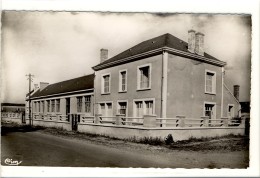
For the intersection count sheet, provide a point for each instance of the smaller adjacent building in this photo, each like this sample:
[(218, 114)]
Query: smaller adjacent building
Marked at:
[(13, 112), (64, 102), (12, 107)]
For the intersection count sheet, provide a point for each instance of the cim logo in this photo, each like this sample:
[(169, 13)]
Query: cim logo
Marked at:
[(12, 162)]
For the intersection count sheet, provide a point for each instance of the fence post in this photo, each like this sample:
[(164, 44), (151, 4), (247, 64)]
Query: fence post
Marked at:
[(149, 121), (181, 121), (225, 121), (243, 122), (97, 118), (205, 121), (118, 119)]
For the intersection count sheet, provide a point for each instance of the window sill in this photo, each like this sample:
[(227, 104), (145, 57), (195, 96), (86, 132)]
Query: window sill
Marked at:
[(143, 89), (210, 93), (105, 93), (122, 91)]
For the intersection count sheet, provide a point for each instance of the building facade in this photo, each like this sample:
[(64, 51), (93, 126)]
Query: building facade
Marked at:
[(166, 77), (14, 112), (65, 102), (158, 87), (12, 107)]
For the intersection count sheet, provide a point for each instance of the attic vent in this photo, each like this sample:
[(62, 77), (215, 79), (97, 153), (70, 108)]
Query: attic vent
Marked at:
[(180, 41), (153, 41), (130, 49)]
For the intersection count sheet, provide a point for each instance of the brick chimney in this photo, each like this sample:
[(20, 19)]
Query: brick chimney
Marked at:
[(43, 85), (191, 41), (103, 55), (236, 91), (199, 43), (35, 87)]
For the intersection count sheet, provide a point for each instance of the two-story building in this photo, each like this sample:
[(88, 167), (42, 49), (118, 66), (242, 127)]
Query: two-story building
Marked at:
[(166, 77), (158, 87)]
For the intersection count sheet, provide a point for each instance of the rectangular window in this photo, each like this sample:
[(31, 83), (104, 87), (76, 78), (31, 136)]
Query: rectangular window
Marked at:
[(145, 107), (149, 107), (34, 106), (122, 81), (52, 105), (109, 109), (122, 108), (43, 106), (139, 108), (79, 104), (210, 82), (58, 105), (48, 105), (106, 109), (102, 109), (144, 77), (106, 84), (88, 104), (230, 111), (67, 106), (39, 106)]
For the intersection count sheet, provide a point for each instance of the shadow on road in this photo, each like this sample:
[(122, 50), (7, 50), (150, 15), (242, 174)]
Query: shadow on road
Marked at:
[(8, 128)]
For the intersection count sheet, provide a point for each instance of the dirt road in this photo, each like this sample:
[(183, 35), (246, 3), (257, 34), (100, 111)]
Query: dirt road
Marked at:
[(38, 148)]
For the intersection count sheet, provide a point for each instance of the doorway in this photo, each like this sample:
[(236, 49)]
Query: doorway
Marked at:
[(210, 111), (23, 117), (75, 119)]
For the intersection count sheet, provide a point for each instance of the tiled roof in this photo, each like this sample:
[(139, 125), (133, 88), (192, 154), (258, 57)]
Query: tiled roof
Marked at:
[(166, 40), (72, 85), (12, 104)]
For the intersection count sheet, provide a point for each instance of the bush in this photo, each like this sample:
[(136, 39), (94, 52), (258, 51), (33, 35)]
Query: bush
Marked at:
[(151, 141), (169, 139)]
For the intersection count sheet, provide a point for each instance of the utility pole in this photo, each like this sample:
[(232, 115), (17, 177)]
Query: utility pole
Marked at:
[(30, 80)]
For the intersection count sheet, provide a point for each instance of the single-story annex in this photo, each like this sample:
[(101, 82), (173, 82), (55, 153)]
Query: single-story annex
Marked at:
[(158, 87)]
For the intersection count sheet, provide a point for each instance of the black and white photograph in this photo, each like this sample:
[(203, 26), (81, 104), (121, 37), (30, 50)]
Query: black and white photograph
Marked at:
[(104, 89)]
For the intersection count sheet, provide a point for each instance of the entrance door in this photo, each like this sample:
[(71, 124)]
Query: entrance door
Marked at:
[(230, 111), (75, 118), (210, 111), (23, 117)]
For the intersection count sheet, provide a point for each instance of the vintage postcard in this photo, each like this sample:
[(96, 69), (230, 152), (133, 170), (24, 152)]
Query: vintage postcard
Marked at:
[(97, 89)]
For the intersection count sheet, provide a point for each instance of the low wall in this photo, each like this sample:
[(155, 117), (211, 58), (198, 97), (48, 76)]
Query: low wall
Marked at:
[(61, 125), (178, 133), (10, 119)]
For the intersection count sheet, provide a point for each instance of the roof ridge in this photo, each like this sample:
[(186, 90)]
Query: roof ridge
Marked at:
[(71, 79), (158, 42)]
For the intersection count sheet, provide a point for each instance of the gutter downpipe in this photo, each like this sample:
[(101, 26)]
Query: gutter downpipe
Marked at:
[(222, 90)]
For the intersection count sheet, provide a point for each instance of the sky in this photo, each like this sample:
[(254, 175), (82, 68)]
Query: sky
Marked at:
[(57, 46)]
